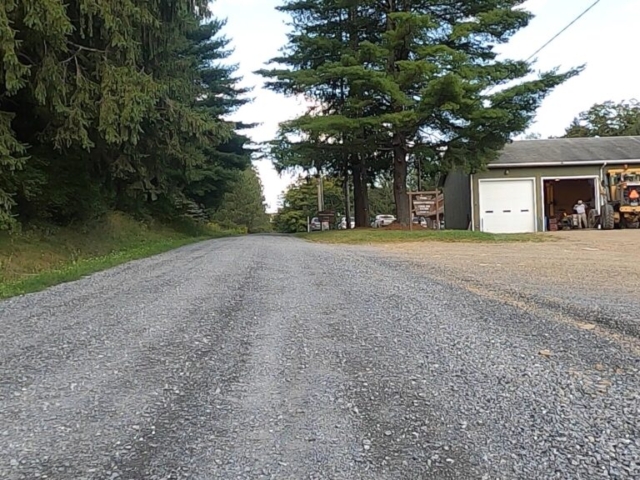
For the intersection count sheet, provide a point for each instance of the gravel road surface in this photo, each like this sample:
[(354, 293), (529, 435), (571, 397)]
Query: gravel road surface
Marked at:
[(268, 357), (589, 275)]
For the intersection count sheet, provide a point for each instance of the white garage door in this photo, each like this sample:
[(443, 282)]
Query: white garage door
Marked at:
[(507, 206)]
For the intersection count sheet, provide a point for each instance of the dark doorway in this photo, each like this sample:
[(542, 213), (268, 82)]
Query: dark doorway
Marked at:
[(560, 196)]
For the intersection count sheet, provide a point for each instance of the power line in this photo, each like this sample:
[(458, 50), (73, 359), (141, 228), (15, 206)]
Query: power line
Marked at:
[(563, 30)]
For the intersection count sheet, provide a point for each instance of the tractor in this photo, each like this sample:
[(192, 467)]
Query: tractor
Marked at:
[(621, 198)]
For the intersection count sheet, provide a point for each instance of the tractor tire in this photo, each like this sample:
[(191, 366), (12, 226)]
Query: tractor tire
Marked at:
[(607, 219), (633, 225)]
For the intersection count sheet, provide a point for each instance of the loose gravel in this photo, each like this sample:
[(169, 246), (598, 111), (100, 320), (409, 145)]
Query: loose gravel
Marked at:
[(586, 274), (268, 357)]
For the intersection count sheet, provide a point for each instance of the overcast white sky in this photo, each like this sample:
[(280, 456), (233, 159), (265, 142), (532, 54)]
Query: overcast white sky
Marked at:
[(604, 40)]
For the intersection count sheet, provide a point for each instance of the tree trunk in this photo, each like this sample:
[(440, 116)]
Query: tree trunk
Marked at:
[(360, 194), (399, 143), (400, 180)]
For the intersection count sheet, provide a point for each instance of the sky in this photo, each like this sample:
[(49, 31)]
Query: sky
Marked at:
[(604, 40)]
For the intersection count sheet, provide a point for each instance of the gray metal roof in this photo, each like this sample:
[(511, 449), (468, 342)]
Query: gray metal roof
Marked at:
[(574, 151)]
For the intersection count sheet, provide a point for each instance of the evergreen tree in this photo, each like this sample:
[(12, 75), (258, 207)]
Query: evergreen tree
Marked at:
[(418, 77), (114, 105), (322, 51), (244, 206), (221, 164)]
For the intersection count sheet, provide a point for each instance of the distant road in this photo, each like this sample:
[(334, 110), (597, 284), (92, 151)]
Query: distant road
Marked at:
[(268, 357)]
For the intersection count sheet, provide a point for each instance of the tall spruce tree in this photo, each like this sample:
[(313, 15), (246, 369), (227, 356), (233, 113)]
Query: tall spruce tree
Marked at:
[(112, 105), (420, 76), (322, 51), (220, 165)]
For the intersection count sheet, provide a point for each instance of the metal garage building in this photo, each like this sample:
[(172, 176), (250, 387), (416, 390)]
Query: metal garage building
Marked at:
[(532, 180)]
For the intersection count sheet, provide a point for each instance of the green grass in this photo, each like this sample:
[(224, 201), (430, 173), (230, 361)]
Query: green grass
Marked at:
[(370, 236), (43, 257)]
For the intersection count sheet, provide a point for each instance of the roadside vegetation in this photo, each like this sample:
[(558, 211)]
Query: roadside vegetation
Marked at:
[(361, 236), (116, 107), (46, 255), (110, 112)]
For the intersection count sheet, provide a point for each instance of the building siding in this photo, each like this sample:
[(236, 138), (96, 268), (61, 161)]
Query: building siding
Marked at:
[(457, 201), (531, 172)]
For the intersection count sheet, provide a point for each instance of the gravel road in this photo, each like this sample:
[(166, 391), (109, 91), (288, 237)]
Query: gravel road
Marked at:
[(269, 357), (590, 275)]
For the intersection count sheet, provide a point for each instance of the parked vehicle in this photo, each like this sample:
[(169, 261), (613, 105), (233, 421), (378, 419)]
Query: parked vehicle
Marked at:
[(622, 195), (343, 223), (420, 221), (315, 224), (383, 221)]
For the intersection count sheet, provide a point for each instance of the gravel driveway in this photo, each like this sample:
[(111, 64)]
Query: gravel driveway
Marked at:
[(587, 276), (268, 357)]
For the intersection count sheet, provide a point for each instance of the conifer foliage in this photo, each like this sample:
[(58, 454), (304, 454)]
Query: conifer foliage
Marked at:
[(399, 81), (114, 104)]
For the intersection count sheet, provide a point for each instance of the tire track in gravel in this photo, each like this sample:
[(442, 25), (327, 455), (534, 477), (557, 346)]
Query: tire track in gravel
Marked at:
[(614, 310), (181, 426), (385, 357), (447, 377), (620, 324), (286, 425), (101, 387)]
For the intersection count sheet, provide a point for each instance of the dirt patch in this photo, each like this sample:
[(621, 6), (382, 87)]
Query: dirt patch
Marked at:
[(585, 276), (590, 261)]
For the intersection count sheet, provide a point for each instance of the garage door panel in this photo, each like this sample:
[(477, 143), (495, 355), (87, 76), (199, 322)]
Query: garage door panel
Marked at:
[(507, 206)]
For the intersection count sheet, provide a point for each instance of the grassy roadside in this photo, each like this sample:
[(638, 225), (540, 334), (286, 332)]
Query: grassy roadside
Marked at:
[(372, 236), (37, 259)]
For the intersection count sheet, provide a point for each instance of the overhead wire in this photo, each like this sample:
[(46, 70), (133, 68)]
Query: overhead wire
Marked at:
[(563, 30), (552, 39)]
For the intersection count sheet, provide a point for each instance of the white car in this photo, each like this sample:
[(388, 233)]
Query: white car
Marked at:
[(315, 225), (383, 221), (343, 223), (420, 221)]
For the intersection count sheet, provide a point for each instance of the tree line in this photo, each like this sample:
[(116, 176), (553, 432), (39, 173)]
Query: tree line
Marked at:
[(400, 86), (607, 119), (116, 105)]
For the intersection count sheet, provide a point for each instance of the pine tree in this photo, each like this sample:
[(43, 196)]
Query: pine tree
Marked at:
[(221, 164), (323, 50), (244, 205), (112, 105), (420, 77)]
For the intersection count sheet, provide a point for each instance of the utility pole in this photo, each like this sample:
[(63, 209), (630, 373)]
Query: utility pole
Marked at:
[(320, 193), (320, 199)]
